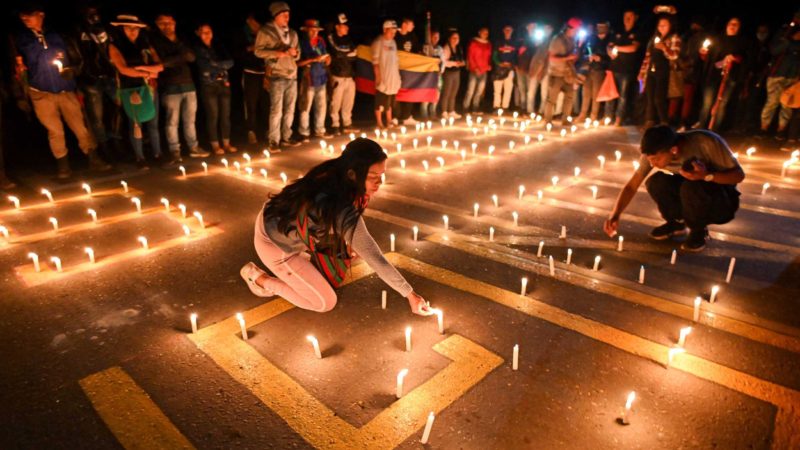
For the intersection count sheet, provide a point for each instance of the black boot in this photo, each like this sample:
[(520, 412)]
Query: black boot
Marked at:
[(63, 168), (96, 163)]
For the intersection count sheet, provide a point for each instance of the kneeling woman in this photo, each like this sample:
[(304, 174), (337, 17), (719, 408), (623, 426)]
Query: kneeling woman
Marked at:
[(321, 213)]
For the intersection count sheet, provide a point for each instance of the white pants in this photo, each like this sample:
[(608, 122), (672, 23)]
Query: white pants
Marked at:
[(503, 88), (344, 93)]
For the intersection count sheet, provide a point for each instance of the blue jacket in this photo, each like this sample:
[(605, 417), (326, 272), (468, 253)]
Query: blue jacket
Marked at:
[(316, 71), (212, 63), (39, 52)]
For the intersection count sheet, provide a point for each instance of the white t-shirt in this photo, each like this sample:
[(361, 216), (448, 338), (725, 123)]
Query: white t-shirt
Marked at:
[(384, 55)]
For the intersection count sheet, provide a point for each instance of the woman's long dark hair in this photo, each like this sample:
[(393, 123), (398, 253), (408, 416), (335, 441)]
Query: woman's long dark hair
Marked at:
[(333, 194)]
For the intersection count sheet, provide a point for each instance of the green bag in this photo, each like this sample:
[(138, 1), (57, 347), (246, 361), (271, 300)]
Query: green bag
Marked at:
[(138, 103)]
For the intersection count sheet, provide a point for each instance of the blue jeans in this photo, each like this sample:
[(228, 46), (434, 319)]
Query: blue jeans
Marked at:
[(315, 97), (152, 131), (183, 108), (476, 85), (282, 97), (624, 82), (93, 99), (521, 94)]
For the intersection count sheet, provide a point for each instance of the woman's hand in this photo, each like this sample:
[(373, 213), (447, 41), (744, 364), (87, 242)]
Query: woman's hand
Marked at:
[(418, 304)]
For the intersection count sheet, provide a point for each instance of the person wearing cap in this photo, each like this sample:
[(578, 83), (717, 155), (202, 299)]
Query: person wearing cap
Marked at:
[(49, 64), (479, 63), (138, 67), (386, 67), (407, 41), (213, 62), (314, 59), (626, 57), (342, 68), (595, 51), (504, 58), (694, 186), (561, 73), (279, 45)]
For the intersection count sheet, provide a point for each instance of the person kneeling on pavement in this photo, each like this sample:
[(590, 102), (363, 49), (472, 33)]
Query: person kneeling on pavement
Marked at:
[(695, 185)]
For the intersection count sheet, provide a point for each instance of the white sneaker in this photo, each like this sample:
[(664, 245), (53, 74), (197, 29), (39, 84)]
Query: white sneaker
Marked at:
[(445, 115), (455, 115), (410, 121), (250, 273)]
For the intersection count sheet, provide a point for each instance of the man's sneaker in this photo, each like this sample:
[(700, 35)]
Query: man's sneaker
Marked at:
[(410, 121), (291, 142), (198, 152), (455, 115), (337, 131), (445, 115), (350, 129), (274, 147), (64, 171), (141, 164), (669, 229), (696, 241), (96, 163), (171, 162), (305, 138), (323, 135), (250, 273)]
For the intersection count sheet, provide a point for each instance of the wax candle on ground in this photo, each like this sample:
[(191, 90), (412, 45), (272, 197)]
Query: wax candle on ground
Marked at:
[(193, 320), (620, 241), (138, 203), (315, 344), (596, 263), (427, 432), (539, 251), (641, 275), (35, 258), (672, 353), (408, 339), (627, 412), (124, 186), (415, 230), (523, 286), (57, 261), (515, 358), (569, 256), (696, 313), (563, 234), (199, 218), (552, 266), (475, 208), (14, 200), (400, 378), (674, 257), (491, 234), (714, 292), (143, 240), (47, 194), (90, 253), (54, 223), (495, 200), (515, 216), (731, 265), (87, 188), (205, 167), (242, 325), (682, 337), (383, 299), (391, 239)]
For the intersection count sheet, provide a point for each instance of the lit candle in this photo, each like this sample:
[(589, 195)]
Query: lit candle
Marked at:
[(563, 234), (714, 292), (35, 258), (606, 121), (656, 40), (617, 155), (495, 200), (641, 274), (620, 242), (527, 139), (391, 240), (138, 203), (403, 164), (47, 194), (400, 377), (182, 207), (627, 412), (764, 188), (594, 192), (554, 180), (446, 221), (415, 230), (521, 190), (491, 234), (242, 325), (552, 266), (57, 261), (785, 167), (602, 160), (429, 139), (499, 112), (515, 216), (165, 202), (425, 165), (248, 171), (540, 137), (539, 195), (563, 132), (463, 154), (511, 145), (193, 319), (429, 424), (439, 319), (672, 353), (14, 200), (408, 339), (264, 173), (474, 148), (491, 150), (440, 160), (569, 256), (377, 133), (54, 222), (186, 230), (315, 344), (444, 144), (574, 128), (682, 337), (696, 314), (730, 270), (515, 358), (383, 299), (235, 165), (224, 162), (750, 152), (183, 170), (284, 178), (541, 247), (674, 257), (143, 240), (266, 154), (577, 172), (59, 65), (596, 263), (199, 219), (205, 167), (523, 286), (87, 188), (4, 231), (124, 186)]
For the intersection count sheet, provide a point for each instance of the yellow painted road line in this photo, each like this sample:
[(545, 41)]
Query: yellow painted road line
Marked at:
[(317, 423), (134, 419), (75, 198), (30, 277), (787, 426)]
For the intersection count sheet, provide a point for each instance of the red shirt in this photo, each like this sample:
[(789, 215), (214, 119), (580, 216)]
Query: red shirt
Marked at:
[(479, 55)]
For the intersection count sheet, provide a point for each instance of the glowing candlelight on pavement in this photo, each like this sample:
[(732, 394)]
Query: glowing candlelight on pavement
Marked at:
[(182, 207), (682, 338), (47, 194), (186, 230), (59, 65), (444, 144), (165, 202), (548, 127), (785, 167), (539, 251), (224, 162), (124, 186), (237, 166), (57, 261), (540, 137), (491, 150), (183, 170), (574, 128), (439, 319), (596, 266), (199, 219), (408, 339), (193, 319), (475, 208), (54, 222), (415, 143), (284, 178), (539, 195), (696, 313), (242, 325), (205, 167), (552, 266), (617, 155), (577, 172), (750, 152), (138, 203), (415, 230), (377, 134), (606, 121), (515, 216), (515, 358), (674, 257), (440, 160), (264, 173), (315, 344), (35, 258), (400, 377), (14, 200), (383, 299), (4, 232), (569, 256), (523, 286), (463, 154), (563, 234), (627, 412), (87, 188), (391, 241), (672, 353), (554, 180), (731, 265), (90, 253), (714, 292), (602, 160), (594, 192), (620, 242), (521, 190), (563, 132), (429, 139), (511, 145), (428, 425), (491, 234), (527, 139), (641, 275), (403, 130), (764, 188), (425, 165), (446, 221), (399, 148), (266, 154), (248, 171), (143, 240), (635, 165)]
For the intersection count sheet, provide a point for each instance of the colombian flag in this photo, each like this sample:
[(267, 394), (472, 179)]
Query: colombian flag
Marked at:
[(419, 76)]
